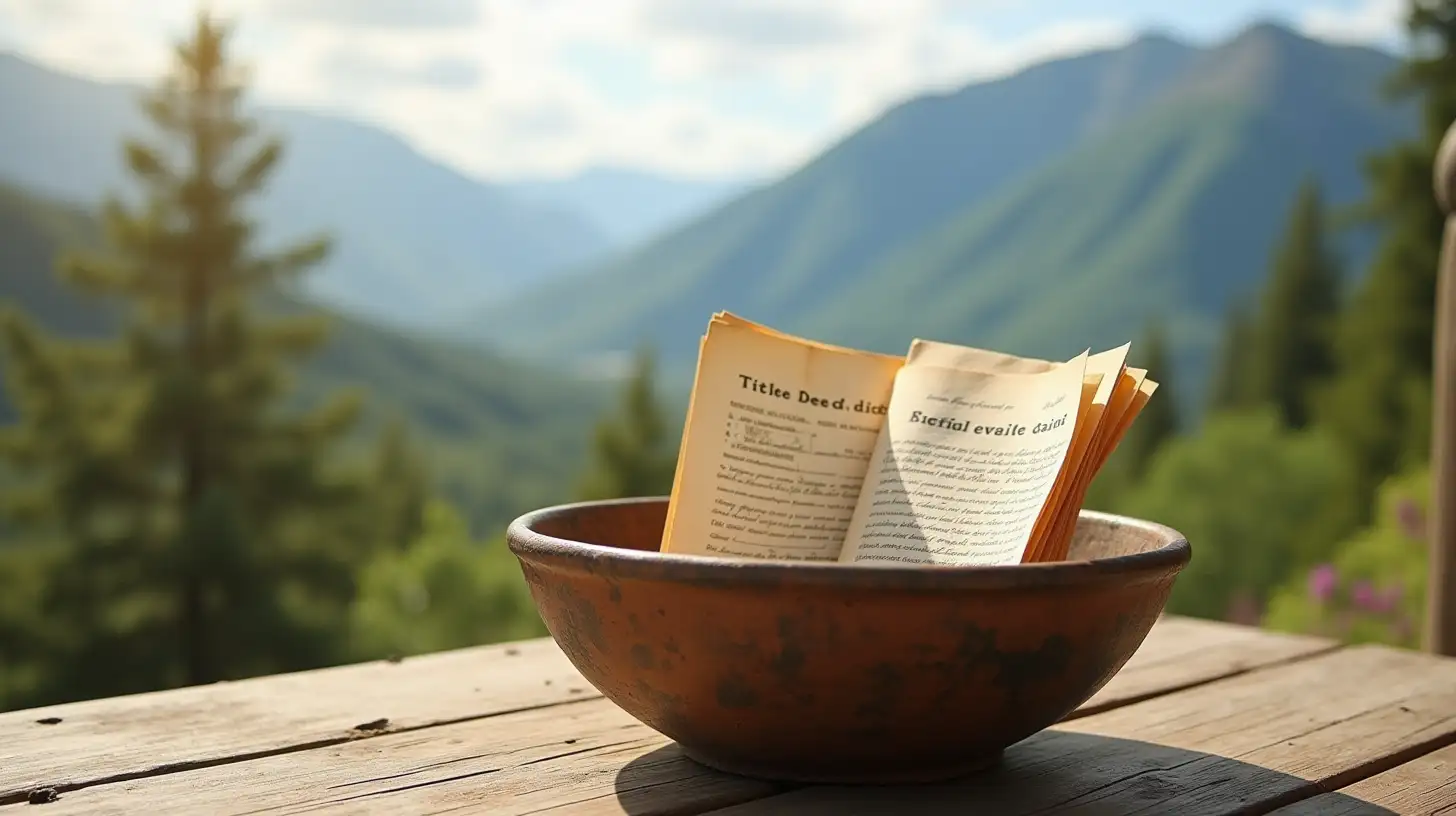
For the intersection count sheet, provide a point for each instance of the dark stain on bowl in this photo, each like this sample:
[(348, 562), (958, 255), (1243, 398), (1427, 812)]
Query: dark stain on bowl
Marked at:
[(840, 673)]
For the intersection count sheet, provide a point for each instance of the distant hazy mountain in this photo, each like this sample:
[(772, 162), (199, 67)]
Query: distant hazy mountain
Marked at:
[(502, 438), (1061, 207), (629, 205), (415, 238)]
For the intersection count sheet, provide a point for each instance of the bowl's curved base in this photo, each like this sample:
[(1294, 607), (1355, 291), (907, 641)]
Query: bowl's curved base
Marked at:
[(850, 776)]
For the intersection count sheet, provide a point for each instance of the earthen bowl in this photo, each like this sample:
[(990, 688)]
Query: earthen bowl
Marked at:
[(840, 673)]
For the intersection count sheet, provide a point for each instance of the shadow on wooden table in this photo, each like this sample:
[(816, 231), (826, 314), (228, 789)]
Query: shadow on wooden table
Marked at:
[(1052, 772)]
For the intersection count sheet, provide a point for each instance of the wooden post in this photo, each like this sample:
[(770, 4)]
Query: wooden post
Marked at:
[(1440, 634)]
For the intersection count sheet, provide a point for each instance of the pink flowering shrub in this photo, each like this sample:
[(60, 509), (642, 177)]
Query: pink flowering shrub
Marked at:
[(1373, 589)]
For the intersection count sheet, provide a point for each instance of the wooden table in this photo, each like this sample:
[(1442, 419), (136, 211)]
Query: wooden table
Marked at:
[(1206, 718)]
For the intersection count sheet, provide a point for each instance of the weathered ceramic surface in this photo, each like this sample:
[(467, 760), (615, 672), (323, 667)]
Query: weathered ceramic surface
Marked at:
[(831, 673)]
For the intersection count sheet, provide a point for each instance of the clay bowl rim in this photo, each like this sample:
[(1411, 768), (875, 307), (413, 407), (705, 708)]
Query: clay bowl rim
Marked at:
[(605, 560)]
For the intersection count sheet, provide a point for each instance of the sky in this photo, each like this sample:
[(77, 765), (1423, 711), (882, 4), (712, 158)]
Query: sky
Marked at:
[(507, 89)]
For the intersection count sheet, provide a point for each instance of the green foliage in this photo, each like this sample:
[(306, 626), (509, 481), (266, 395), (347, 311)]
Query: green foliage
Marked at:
[(27, 633), (1373, 590), (402, 482), (30, 235), (1290, 354), (1231, 388), (1379, 404), (201, 532), (500, 437), (635, 453), (95, 542), (1266, 503), (1257, 501), (441, 591), (495, 437)]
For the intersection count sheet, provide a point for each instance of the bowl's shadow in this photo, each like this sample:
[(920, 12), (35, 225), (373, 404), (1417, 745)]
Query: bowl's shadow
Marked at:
[(1052, 772)]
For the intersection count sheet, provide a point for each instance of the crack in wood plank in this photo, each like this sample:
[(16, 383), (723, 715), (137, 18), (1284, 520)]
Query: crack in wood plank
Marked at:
[(411, 772), (1423, 784), (17, 797), (564, 754), (403, 788), (1096, 705), (121, 739), (1111, 784), (459, 777), (429, 766)]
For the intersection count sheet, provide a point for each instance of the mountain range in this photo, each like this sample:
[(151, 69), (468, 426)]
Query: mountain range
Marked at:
[(1065, 206), (1061, 207), (500, 438), (414, 238), (626, 205)]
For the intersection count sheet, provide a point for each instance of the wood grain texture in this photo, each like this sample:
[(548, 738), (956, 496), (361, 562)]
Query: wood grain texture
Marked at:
[(149, 734), (169, 732), (1424, 786), (146, 734), (586, 757), (1182, 652), (1247, 744), (583, 756), (1440, 628)]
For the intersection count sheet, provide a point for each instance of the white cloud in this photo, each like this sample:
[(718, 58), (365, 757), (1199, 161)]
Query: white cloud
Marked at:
[(1370, 21), (518, 87), (388, 13), (755, 25), (863, 54), (94, 37)]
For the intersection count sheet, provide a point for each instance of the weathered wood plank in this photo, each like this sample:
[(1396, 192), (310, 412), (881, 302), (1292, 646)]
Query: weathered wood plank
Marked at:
[(1424, 786), (1247, 744), (145, 734), (588, 757), (1182, 652), (589, 754)]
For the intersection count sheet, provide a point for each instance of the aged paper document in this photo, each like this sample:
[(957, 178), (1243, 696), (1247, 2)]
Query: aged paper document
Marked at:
[(778, 439), (965, 464), (1104, 384)]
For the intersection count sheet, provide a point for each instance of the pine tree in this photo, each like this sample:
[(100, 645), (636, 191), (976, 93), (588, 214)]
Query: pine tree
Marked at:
[(1231, 388), (1291, 353), (1158, 421), (633, 453), (204, 534), (402, 483), (1379, 403)]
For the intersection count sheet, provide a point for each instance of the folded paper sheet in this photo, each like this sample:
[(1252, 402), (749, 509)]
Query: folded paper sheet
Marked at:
[(798, 450)]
